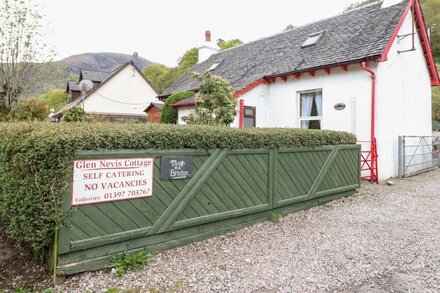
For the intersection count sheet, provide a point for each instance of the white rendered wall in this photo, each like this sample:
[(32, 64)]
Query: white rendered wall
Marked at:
[(183, 112), (278, 104), (403, 100), (126, 93)]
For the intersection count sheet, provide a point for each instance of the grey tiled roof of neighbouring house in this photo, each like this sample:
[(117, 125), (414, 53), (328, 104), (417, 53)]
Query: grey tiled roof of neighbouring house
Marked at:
[(73, 86), (356, 35), (158, 104), (93, 75)]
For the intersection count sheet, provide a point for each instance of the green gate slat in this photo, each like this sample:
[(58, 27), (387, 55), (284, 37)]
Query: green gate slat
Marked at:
[(176, 207), (328, 163)]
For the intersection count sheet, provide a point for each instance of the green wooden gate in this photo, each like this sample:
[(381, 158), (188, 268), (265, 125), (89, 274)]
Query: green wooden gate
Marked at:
[(229, 189)]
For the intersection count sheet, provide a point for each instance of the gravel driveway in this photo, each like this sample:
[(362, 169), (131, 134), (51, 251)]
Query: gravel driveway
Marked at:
[(383, 239)]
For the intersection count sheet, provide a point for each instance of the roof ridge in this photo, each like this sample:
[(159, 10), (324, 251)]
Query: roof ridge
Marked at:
[(95, 70)]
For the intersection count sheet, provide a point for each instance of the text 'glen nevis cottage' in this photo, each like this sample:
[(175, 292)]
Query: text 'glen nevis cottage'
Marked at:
[(368, 71)]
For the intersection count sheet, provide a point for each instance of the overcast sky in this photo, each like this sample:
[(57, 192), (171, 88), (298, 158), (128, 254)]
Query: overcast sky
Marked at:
[(162, 30)]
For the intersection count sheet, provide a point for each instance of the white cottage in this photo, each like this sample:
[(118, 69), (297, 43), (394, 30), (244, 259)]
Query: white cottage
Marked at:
[(368, 71), (121, 94)]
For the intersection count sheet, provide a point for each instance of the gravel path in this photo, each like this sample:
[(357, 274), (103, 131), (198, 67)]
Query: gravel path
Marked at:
[(383, 239)]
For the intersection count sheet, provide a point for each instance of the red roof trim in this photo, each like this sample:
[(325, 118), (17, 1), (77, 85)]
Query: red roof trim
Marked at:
[(249, 87), (426, 45), (187, 104), (390, 43), (415, 5)]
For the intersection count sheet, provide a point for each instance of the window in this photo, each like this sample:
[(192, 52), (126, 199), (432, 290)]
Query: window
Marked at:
[(214, 65), (250, 114), (312, 40), (310, 106)]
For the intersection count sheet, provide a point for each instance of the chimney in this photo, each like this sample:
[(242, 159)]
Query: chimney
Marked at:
[(208, 48), (208, 36)]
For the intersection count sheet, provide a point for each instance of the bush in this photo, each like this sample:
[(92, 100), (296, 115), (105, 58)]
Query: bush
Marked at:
[(31, 109), (169, 115), (55, 99), (36, 158), (76, 114)]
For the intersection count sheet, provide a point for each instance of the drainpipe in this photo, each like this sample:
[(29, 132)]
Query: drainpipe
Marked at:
[(241, 113), (373, 98), (374, 165)]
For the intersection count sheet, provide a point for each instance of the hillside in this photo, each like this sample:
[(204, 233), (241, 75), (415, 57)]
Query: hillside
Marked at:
[(99, 61)]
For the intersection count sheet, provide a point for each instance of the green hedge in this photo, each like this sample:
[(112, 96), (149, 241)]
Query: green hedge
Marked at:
[(35, 160), (169, 115)]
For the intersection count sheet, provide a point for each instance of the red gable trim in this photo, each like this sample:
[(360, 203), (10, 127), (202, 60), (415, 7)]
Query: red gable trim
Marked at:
[(414, 7), (426, 45), (188, 104), (250, 87), (390, 43)]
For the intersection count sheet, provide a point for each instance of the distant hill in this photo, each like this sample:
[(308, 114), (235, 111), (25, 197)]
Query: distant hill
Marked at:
[(99, 61)]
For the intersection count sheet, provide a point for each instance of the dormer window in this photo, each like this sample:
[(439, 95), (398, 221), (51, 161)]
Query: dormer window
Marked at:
[(214, 66), (312, 39)]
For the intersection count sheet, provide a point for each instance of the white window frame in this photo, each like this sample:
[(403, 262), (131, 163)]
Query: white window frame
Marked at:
[(314, 118)]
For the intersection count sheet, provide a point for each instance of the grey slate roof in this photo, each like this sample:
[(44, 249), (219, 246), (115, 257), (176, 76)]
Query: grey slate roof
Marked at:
[(356, 35), (93, 75), (159, 104), (73, 86)]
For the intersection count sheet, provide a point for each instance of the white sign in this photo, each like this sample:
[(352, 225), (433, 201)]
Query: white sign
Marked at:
[(96, 181)]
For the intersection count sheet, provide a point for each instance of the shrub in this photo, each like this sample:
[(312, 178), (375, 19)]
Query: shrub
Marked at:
[(55, 99), (134, 262), (215, 102), (75, 114), (31, 109), (169, 115), (36, 158)]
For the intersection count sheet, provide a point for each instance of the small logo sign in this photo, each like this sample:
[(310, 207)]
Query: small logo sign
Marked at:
[(172, 168), (340, 106)]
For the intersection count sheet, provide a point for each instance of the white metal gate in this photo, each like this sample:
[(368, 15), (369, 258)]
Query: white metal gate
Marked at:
[(418, 154)]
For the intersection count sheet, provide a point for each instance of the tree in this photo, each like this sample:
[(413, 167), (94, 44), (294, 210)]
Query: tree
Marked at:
[(188, 60), (169, 115), (158, 75), (358, 4), (55, 99), (436, 104), (228, 44), (24, 56), (162, 77), (215, 101), (431, 12), (31, 109)]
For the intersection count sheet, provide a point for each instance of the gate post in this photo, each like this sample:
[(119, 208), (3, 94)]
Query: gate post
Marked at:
[(401, 156)]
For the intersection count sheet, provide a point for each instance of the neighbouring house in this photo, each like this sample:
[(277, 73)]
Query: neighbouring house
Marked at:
[(118, 95), (73, 91), (95, 76), (154, 111), (368, 71)]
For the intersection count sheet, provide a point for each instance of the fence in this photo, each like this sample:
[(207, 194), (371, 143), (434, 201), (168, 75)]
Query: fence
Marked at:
[(418, 154), (216, 191)]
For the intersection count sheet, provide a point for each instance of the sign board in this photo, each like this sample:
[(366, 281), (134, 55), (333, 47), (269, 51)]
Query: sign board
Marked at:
[(175, 168), (340, 106), (97, 181)]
